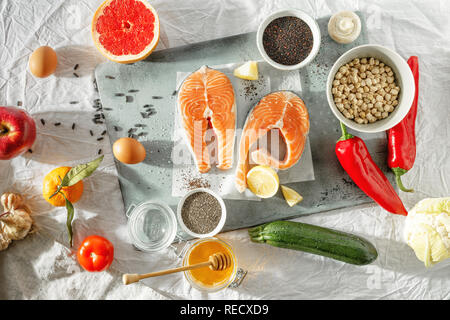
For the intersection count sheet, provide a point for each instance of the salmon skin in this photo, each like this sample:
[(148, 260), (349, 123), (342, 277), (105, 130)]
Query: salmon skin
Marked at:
[(206, 99), (284, 111)]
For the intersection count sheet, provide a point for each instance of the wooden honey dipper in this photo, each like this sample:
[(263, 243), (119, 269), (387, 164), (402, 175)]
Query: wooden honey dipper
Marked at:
[(217, 262)]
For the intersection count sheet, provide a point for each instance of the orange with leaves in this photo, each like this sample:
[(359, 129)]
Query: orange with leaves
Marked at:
[(51, 183), (63, 186)]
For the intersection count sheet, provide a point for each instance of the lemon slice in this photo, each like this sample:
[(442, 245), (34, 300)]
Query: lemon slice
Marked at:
[(263, 181), (248, 71), (291, 196)]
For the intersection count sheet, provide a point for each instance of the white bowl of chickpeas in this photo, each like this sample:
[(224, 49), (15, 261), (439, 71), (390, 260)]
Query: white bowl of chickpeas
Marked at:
[(370, 88)]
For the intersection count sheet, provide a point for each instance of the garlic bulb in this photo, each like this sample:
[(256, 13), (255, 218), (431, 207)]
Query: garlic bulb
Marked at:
[(15, 222), (344, 27)]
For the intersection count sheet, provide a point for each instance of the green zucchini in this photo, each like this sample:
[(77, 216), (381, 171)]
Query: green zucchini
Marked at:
[(326, 242)]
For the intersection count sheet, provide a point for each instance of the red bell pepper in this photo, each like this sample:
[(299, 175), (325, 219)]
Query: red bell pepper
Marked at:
[(402, 137), (354, 157)]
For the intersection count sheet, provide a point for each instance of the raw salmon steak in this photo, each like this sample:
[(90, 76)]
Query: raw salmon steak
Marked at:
[(206, 99), (283, 111)]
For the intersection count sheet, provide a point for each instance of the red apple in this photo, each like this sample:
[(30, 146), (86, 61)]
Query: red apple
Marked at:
[(17, 132)]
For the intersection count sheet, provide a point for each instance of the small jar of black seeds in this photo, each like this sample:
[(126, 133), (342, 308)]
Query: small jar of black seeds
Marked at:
[(288, 39), (201, 213)]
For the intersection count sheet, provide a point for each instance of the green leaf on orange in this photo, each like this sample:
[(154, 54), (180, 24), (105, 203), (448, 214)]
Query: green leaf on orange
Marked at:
[(70, 215), (80, 172)]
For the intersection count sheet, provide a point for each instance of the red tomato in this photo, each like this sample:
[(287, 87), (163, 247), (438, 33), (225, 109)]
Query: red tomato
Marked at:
[(95, 253)]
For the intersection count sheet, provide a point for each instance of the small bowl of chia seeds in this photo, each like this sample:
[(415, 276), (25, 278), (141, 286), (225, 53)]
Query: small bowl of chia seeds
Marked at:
[(201, 213), (288, 39)]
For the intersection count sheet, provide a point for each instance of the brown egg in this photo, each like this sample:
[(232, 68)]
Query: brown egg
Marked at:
[(43, 62), (129, 151)]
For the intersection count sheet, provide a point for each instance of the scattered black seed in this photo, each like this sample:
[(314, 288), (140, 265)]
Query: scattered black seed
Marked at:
[(119, 94), (133, 90), (99, 151), (107, 109), (100, 139), (95, 85), (97, 121), (132, 130), (92, 133), (133, 136), (129, 99), (140, 125), (57, 124), (145, 115), (116, 128), (30, 151), (43, 122), (97, 100), (142, 134), (174, 92), (76, 67), (73, 126), (19, 103), (109, 77), (76, 75), (157, 97), (103, 133), (97, 116), (73, 102)]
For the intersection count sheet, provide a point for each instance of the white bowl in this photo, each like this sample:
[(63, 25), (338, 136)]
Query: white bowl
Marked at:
[(403, 76), (291, 13), (219, 225)]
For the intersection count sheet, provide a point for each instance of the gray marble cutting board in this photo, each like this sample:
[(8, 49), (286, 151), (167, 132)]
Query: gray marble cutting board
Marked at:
[(155, 78)]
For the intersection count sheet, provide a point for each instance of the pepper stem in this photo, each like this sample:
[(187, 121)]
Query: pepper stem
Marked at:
[(398, 172), (345, 134)]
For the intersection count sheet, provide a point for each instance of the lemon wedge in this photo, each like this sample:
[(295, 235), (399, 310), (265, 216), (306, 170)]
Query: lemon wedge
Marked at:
[(291, 196), (263, 181), (248, 71)]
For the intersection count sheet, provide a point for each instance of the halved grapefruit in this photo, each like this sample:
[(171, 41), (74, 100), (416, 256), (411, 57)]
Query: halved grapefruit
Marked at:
[(125, 31)]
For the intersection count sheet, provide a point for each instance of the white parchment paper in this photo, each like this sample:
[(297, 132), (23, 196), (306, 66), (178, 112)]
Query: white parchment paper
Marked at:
[(223, 181)]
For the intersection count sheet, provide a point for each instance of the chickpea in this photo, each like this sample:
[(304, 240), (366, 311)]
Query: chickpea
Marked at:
[(365, 90)]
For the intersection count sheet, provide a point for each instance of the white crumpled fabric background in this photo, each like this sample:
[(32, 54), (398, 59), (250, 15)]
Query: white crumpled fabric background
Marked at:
[(41, 267)]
